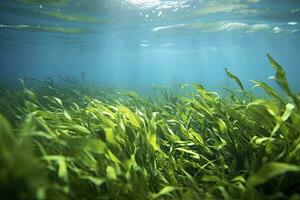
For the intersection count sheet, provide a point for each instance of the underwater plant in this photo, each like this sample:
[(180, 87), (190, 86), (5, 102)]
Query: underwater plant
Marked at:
[(79, 141)]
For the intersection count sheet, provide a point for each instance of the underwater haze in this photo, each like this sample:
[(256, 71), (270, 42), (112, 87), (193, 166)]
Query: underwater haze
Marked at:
[(137, 43)]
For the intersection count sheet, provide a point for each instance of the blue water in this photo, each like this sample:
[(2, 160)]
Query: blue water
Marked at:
[(137, 43)]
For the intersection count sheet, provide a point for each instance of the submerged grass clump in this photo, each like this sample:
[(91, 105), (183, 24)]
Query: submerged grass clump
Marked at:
[(84, 142)]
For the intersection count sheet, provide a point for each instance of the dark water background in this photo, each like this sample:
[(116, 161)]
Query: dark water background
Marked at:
[(136, 43)]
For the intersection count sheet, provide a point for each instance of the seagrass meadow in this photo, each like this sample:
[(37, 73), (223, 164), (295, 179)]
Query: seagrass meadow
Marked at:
[(79, 141)]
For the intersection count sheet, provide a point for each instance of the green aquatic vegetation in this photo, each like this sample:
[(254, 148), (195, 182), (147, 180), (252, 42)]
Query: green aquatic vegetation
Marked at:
[(236, 79), (73, 140)]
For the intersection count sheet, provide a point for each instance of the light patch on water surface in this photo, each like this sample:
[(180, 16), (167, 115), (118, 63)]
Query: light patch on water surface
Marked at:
[(167, 45), (211, 9), (292, 23), (144, 3), (277, 29), (230, 26), (144, 45), (3, 26), (207, 48), (168, 27), (205, 27), (224, 26), (173, 5), (71, 18), (159, 14), (215, 9), (254, 1), (295, 10), (226, 6), (258, 27), (38, 28), (157, 4)]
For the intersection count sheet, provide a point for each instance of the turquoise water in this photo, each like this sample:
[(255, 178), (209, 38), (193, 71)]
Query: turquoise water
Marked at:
[(137, 43)]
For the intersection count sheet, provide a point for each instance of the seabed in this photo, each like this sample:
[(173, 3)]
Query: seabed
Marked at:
[(79, 141)]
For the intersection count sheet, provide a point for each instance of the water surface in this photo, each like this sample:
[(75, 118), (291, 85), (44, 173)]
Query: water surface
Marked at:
[(137, 43)]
